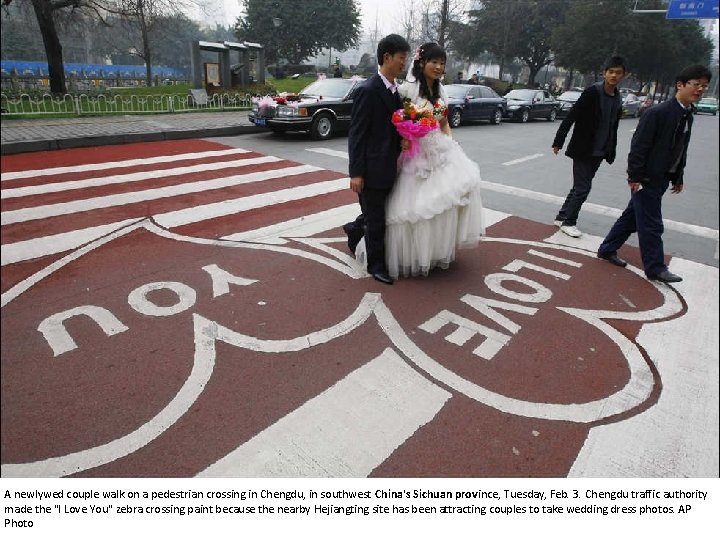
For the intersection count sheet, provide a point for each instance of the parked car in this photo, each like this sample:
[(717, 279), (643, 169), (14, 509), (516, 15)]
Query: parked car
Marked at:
[(473, 102), (707, 105), (321, 108), (631, 105), (525, 104), (567, 100), (645, 104)]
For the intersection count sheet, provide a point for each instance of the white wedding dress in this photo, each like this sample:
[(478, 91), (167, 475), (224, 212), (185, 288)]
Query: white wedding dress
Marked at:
[(435, 205)]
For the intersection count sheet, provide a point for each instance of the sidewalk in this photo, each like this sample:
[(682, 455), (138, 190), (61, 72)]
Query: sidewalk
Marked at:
[(35, 135)]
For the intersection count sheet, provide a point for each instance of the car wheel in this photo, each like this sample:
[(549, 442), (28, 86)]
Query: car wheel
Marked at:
[(496, 117), (553, 115), (524, 116), (322, 127), (455, 118)]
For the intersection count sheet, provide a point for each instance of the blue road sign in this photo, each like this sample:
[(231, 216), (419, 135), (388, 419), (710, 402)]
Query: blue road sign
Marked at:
[(692, 9)]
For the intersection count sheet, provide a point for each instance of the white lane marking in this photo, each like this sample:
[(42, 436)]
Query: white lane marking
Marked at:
[(57, 243), (299, 227), (119, 199), (523, 159), (132, 177), (346, 431), (329, 152), (686, 228), (228, 207), (126, 163), (203, 364), (685, 351)]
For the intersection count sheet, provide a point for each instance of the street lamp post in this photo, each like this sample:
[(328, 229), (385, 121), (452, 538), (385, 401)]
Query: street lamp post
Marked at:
[(277, 23)]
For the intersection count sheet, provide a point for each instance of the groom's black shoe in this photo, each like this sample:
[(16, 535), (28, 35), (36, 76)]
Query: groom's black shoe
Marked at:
[(354, 235), (383, 277)]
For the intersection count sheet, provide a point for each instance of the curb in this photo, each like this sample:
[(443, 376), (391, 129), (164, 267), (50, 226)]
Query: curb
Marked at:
[(20, 147)]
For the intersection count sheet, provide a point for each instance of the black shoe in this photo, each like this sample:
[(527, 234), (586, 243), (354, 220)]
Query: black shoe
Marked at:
[(666, 276), (354, 236), (613, 258), (383, 277)]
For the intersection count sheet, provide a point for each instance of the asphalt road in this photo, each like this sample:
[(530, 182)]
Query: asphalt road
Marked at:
[(514, 157)]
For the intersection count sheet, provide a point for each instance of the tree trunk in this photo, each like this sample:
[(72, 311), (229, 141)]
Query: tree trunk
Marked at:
[(53, 48), (444, 16), (534, 70), (147, 53)]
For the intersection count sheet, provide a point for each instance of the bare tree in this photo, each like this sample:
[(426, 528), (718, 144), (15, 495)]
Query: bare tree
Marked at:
[(144, 16), (46, 15)]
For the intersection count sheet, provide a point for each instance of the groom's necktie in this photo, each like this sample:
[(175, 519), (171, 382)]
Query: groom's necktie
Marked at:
[(395, 95)]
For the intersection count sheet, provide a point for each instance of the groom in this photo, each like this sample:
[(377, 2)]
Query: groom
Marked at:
[(374, 148)]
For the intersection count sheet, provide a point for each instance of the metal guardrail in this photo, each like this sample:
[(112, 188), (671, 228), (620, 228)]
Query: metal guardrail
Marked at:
[(82, 104)]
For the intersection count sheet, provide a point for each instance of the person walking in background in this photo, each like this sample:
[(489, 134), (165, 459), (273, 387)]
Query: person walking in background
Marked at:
[(473, 79), (374, 146), (657, 158), (459, 78), (596, 116)]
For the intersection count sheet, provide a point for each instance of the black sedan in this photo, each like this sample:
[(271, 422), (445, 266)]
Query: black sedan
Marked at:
[(567, 100), (524, 104), (473, 102), (321, 108)]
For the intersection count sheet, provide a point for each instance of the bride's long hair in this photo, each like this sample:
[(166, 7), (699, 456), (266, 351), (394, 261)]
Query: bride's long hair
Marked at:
[(423, 54)]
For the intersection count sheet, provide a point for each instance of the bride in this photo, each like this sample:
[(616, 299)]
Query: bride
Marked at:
[(435, 205)]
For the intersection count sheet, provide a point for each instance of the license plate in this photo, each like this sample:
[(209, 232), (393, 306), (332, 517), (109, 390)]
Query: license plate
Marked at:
[(260, 122)]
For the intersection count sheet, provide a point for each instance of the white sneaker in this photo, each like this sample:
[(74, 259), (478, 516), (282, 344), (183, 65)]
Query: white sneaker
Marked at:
[(571, 230), (558, 222)]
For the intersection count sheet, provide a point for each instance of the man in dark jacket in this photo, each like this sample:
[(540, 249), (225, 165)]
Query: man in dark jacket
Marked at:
[(596, 116), (373, 148), (658, 153)]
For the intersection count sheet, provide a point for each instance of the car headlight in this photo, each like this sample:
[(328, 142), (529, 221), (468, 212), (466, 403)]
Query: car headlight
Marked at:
[(513, 107), (284, 111)]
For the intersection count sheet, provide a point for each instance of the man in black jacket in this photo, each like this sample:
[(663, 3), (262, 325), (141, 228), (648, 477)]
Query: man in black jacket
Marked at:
[(596, 116), (658, 153), (374, 147)]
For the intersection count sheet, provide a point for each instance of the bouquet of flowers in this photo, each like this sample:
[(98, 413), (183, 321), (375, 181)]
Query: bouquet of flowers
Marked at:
[(413, 123)]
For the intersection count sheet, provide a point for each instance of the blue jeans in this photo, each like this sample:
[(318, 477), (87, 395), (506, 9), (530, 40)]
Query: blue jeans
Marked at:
[(583, 173)]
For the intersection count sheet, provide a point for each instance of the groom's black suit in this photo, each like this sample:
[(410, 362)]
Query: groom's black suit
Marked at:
[(374, 148)]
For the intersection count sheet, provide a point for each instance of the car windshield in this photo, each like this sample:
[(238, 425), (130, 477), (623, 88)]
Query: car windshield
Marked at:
[(709, 101), (457, 92), (328, 88), (569, 96), (521, 94)]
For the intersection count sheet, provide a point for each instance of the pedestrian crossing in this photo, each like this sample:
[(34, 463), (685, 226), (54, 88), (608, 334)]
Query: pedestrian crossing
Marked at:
[(373, 418), (51, 211)]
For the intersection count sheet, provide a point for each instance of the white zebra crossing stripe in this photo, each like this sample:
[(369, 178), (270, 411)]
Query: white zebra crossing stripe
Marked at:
[(233, 206), (57, 243), (299, 227), (117, 164), (71, 207), (132, 177), (346, 431)]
